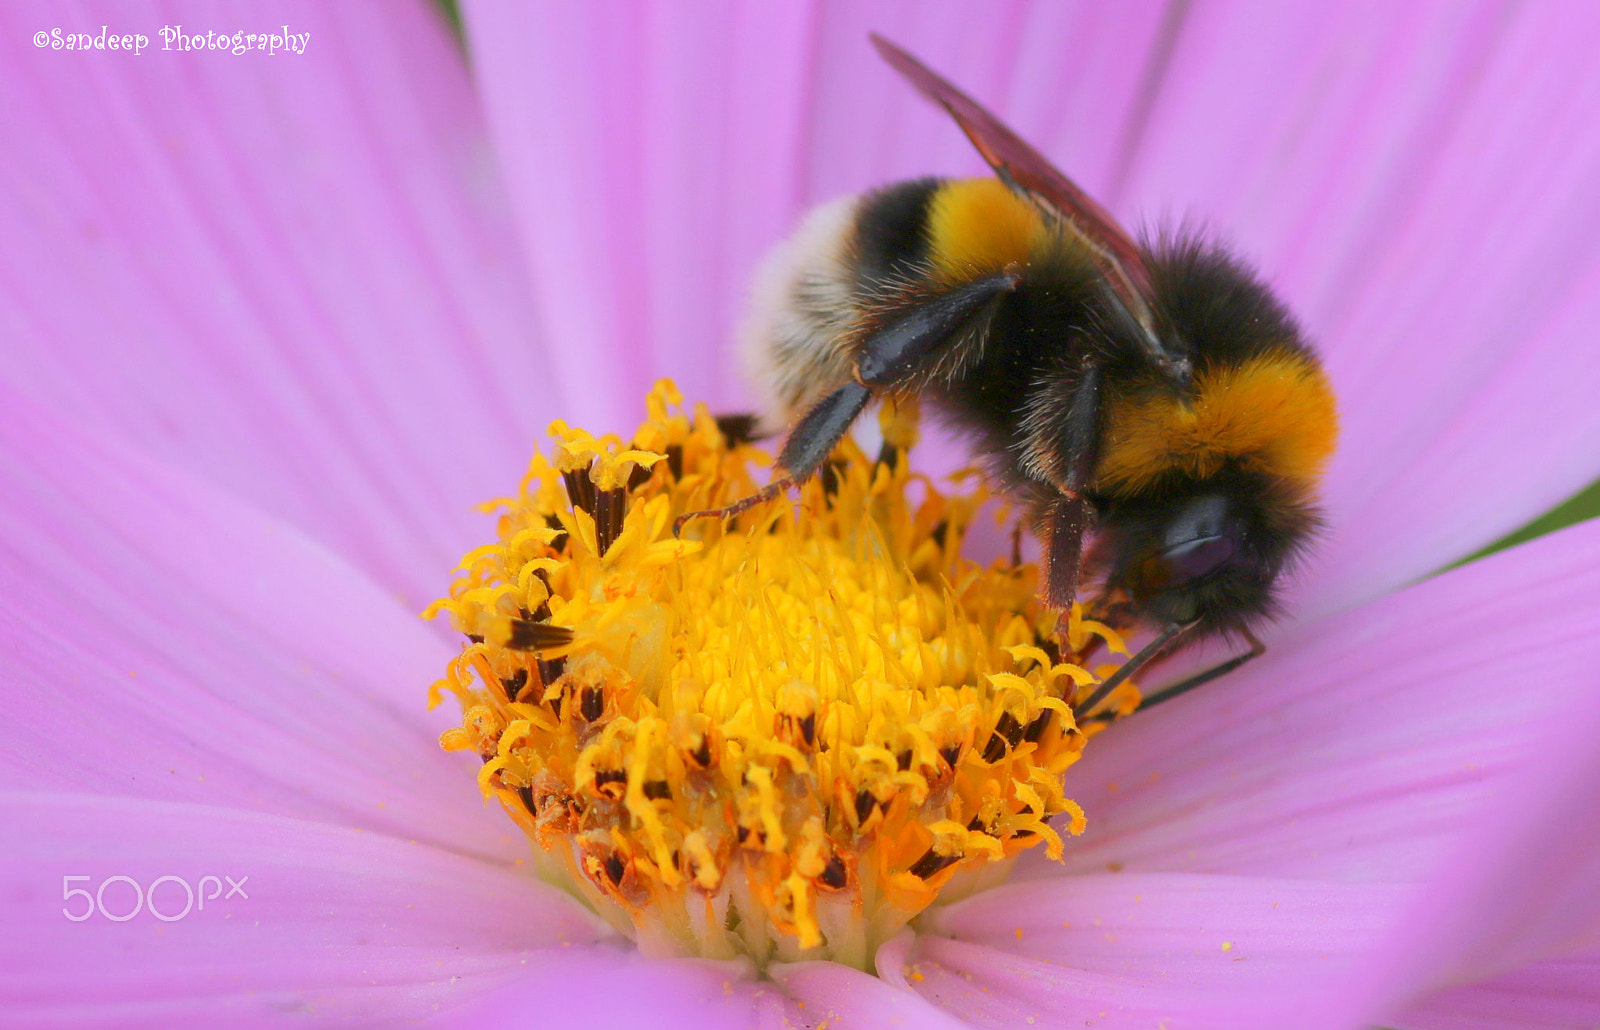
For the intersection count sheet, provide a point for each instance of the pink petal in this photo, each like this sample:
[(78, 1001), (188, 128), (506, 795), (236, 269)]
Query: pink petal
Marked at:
[(841, 997), (1523, 883), (167, 641), (330, 926), (1359, 744), (705, 995), (289, 274), (583, 988), (1138, 949), (1555, 995), (700, 994)]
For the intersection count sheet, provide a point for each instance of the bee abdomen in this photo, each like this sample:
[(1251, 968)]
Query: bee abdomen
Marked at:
[(893, 242), (802, 304), (846, 257)]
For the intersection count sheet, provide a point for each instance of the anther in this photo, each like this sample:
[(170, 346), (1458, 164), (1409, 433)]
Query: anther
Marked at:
[(834, 874), (612, 783), (830, 480), (557, 542), (514, 683), (609, 508), (1007, 734), (549, 672), (536, 636), (580, 490), (931, 863), (864, 803)]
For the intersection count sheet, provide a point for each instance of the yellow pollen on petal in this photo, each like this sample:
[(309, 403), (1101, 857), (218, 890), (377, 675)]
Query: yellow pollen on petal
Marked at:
[(782, 737)]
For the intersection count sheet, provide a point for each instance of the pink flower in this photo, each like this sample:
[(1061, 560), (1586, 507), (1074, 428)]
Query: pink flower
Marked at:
[(272, 324)]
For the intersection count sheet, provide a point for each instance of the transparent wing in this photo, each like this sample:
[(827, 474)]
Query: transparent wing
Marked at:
[(1026, 171)]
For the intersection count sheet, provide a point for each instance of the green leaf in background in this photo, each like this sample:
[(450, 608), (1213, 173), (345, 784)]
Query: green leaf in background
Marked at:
[(1583, 505), (452, 16)]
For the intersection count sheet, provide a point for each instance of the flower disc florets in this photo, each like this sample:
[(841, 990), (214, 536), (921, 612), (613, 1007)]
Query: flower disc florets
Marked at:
[(781, 737)]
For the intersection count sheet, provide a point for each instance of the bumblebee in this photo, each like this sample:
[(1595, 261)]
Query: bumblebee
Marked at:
[(1153, 397)]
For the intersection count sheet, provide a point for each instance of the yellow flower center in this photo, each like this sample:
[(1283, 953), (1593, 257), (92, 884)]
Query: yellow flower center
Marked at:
[(782, 737)]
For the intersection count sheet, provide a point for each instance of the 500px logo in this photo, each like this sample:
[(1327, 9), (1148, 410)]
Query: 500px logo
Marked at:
[(123, 908), (55, 39)]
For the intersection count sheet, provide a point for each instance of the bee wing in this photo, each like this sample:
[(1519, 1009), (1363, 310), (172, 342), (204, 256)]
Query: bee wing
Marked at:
[(1027, 172)]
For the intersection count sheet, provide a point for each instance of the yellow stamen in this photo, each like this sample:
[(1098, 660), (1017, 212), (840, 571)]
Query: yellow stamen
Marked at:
[(783, 737)]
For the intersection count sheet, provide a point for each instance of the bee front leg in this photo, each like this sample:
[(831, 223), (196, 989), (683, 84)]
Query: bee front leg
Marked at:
[(808, 446), (819, 432), (891, 354), (1164, 641), (1065, 449), (1062, 530), (1257, 649)]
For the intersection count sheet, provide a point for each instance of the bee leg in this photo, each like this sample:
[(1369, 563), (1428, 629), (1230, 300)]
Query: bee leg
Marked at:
[(891, 354), (1165, 639), (1257, 649), (767, 493), (807, 448), (894, 352), (820, 431), (1069, 515), (1063, 527)]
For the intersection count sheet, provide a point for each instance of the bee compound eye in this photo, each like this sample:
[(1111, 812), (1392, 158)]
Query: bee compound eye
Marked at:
[(1199, 537), (1181, 564), (1193, 559)]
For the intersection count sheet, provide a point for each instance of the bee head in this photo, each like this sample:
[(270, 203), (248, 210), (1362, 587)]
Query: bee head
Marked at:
[(1210, 549)]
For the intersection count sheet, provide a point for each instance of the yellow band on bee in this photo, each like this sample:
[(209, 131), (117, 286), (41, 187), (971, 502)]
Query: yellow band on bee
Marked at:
[(1274, 413), (980, 225)]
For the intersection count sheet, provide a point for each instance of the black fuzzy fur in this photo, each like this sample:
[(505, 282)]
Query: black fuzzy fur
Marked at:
[(1014, 400)]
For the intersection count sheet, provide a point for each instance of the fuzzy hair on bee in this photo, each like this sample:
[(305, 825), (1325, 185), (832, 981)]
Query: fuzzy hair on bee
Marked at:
[(1150, 403)]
